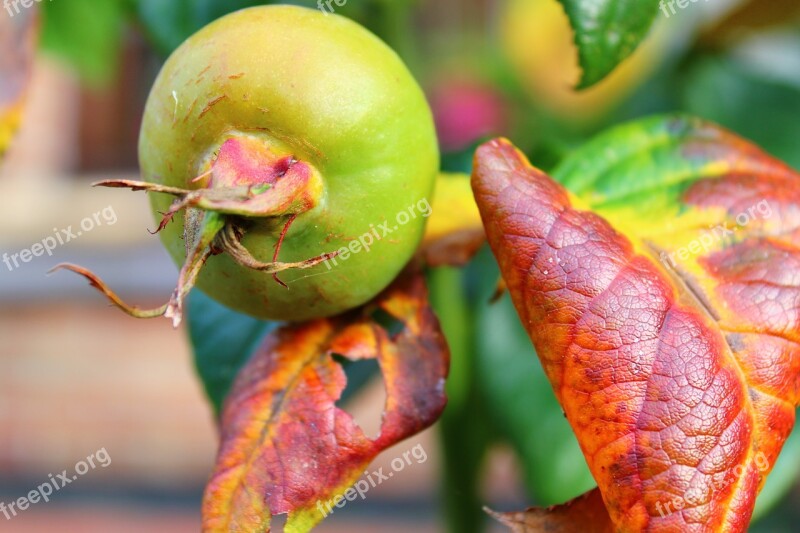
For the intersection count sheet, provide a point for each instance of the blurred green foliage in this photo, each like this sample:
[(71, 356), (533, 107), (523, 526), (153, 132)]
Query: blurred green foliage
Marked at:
[(519, 398), (87, 34), (721, 88), (168, 24)]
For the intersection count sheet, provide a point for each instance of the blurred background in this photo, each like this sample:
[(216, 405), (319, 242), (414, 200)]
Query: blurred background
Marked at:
[(77, 376)]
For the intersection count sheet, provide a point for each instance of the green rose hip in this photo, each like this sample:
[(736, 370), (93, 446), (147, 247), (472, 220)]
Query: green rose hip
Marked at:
[(290, 157)]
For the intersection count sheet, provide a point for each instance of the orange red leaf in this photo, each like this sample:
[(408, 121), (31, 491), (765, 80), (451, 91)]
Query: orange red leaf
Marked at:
[(586, 514), (286, 446), (680, 377)]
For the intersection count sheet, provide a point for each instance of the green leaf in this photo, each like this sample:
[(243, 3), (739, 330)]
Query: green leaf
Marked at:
[(607, 32), (605, 169), (641, 169), (223, 341), (521, 402), (87, 34)]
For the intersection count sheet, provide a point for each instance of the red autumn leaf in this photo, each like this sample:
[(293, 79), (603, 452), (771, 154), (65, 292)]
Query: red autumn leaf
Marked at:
[(285, 444), (679, 372)]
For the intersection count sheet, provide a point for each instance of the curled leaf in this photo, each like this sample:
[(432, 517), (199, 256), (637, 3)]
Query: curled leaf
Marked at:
[(286, 447), (586, 514), (669, 326)]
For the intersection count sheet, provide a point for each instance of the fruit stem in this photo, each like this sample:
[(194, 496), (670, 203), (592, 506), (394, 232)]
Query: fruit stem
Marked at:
[(278, 248), (197, 256), (230, 242), (96, 282)]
